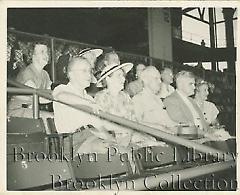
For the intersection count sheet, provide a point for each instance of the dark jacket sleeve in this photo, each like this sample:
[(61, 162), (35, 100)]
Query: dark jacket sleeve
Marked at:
[(174, 110)]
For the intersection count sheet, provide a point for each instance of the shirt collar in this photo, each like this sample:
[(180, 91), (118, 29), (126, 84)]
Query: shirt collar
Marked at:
[(76, 90), (147, 91), (150, 94)]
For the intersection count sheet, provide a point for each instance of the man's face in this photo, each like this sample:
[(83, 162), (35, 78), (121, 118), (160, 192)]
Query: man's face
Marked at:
[(167, 76), (187, 86), (154, 81), (112, 59), (81, 73)]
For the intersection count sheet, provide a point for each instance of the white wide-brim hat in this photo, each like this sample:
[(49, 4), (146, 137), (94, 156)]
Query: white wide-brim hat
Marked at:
[(126, 67), (96, 52)]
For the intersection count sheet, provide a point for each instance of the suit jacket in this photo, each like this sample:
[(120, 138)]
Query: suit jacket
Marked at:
[(179, 111)]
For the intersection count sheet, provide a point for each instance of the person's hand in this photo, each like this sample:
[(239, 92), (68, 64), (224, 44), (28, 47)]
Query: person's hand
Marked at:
[(222, 134)]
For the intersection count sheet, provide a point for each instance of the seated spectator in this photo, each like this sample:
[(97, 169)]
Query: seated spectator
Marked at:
[(33, 76), (180, 107), (111, 58), (69, 120), (208, 109), (136, 86), (91, 55), (167, 79), (184, 110), (115, 101), (148, 107)]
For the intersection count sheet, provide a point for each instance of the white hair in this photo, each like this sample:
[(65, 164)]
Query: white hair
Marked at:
[(148, 72)]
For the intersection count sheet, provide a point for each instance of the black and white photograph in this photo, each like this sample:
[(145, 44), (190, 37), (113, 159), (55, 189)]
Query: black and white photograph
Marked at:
[(121, 98)]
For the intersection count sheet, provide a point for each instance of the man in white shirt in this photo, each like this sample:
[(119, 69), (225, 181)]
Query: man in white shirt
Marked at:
[(167, 79), (148, 107), (68, 119)]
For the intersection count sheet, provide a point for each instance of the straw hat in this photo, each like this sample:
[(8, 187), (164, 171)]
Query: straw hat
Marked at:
[(126, 67), (96, 52)]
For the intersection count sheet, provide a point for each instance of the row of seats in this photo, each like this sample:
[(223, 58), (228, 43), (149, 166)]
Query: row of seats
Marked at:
[(28, 136)]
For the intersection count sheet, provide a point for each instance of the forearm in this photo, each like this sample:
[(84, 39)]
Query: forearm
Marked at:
[(71, 98)]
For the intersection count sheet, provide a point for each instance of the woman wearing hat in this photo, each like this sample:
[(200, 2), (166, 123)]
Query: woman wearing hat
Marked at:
[(114, 100), (91, 55)]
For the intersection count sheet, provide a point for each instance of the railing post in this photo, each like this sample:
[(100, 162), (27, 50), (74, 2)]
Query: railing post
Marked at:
[(35, 106), (150, 61), (53, 60)]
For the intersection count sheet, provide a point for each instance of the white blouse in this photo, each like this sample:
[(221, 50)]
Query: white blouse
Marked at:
[(209, 111)]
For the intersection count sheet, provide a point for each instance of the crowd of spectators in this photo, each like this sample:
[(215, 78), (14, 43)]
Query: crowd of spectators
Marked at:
[(151, 99)]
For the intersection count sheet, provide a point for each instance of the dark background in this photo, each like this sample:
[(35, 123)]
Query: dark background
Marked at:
[(124, 29)]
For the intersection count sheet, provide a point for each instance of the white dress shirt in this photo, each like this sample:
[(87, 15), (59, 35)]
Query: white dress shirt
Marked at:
[(68, 119), (149, 109)]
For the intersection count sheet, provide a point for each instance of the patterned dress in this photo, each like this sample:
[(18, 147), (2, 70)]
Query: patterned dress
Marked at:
[(122, 106)]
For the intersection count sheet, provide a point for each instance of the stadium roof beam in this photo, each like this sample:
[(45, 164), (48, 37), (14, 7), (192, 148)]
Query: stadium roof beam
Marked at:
[(201, 16), (188, 9)]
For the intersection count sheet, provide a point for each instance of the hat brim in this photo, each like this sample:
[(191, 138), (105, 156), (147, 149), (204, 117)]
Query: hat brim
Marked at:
[(97, 52), (125, 66)]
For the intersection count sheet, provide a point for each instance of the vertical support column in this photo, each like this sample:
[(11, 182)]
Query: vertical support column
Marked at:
[(53, 72), (212, 34), (160, 33), (150, 61), (35, 106), (228, 16), (216, 38)]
